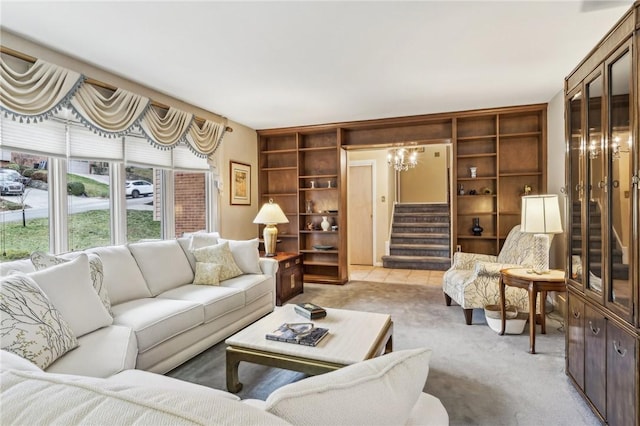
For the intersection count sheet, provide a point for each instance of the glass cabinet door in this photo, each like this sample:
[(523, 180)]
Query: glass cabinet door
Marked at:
[(620, 164), (575, 190), (595, 185)]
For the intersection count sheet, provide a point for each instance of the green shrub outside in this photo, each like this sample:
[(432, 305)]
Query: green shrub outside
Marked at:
[(40, 175), (13, 166), (75, 188), (28, 172)]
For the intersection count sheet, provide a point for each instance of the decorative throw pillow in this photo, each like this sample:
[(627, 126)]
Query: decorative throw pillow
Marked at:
[(207, 273), (381, 390), (68, 287), (43, 260), (30, 325), (220, 254), (246, 254)]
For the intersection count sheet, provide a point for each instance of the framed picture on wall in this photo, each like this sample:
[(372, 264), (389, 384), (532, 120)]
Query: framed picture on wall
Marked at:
[(240, 179)]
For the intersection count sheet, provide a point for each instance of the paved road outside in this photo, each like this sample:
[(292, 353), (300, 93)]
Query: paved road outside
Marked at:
[(37, 201)]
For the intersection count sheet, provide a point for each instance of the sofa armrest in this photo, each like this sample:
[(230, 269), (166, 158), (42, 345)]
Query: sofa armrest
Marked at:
[(462, 260), (490, 269), (268, 266)]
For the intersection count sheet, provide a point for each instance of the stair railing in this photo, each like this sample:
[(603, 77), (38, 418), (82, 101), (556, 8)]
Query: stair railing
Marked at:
[(387, 244)]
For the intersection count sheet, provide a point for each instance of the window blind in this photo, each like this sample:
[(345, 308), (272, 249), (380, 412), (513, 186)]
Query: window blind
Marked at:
[(138, 150), (85, 144), (44, 138), (184, 159)]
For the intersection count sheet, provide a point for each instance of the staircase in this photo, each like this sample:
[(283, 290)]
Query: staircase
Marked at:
[(618, 269), (420, 237)]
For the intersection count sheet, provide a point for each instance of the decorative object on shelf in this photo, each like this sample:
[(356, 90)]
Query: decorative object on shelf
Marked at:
[(321, 247), (474, 172), (527, 189), (270, 214), (325, 224), (402, 159), (487, 191), (473, 192), (328, 184), (310, 226), (240, 183), (541, 216), (334, 227), (309, 205), (461, 190), (332, 211), (477, 229), (313, 184)]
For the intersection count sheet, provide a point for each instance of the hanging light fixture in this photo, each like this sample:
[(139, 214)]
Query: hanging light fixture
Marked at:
[(402, 159)]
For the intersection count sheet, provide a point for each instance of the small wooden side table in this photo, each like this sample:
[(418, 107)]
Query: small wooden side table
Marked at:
[(534, 284), (290, 276)]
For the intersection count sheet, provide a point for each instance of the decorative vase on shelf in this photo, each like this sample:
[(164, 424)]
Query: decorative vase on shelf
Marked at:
[(309, 206), (474, 172), (477, 229), (325, 224)]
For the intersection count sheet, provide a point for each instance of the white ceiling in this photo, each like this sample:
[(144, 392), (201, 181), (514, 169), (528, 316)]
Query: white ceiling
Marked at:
[(278, 64)]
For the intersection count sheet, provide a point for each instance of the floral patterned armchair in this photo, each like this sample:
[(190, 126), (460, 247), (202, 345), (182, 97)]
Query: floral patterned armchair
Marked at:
[(473, 279)]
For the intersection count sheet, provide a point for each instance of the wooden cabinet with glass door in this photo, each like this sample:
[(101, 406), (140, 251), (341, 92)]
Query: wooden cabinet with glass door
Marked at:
[(601, 105)]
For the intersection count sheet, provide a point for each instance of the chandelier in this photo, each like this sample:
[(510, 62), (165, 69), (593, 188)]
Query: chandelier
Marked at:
[(402, 159)]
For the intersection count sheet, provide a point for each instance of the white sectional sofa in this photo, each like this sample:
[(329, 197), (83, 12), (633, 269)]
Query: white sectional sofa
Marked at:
[(382, 391), (158, 318)]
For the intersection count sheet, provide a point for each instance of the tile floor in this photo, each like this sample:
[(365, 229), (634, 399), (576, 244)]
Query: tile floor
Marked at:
[(395, 276)]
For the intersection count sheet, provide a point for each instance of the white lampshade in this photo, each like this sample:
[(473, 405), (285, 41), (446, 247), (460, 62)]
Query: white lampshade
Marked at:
[(540, 214), (270, 213)]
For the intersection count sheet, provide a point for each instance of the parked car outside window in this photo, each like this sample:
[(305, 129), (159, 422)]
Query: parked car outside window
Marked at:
[(10, 187), (137, 188), (12, 175)]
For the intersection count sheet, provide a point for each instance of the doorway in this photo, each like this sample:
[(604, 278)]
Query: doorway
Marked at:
[(361, 213)]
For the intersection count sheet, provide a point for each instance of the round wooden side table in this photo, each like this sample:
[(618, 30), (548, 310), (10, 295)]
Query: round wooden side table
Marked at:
[(534, 283)]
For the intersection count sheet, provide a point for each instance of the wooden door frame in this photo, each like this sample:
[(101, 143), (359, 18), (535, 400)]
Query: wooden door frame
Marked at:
[(372, 164)]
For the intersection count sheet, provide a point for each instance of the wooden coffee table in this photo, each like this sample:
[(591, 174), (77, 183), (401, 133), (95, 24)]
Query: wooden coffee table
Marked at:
[(353, 337)]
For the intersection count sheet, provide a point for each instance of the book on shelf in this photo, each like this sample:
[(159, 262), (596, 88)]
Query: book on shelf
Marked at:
[(310, 310), (304, 333)]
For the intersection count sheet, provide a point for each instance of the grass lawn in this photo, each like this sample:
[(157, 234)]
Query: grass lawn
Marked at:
[(88, 229), (91, 187)]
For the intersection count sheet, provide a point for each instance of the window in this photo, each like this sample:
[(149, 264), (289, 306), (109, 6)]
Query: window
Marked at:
[(143, 192), (24, 204), (190, 202)]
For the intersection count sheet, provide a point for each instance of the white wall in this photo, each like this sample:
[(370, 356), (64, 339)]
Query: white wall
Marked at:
[(555, 171), (236, 222)]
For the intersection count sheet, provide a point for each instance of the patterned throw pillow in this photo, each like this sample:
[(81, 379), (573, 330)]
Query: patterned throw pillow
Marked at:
[(43, 260), (207, 273), (30, 325), (221, 255)]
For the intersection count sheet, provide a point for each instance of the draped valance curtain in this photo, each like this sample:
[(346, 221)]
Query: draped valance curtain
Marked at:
[(43, 89)]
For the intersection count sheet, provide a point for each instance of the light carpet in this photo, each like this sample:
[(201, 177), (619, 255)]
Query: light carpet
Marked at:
[(480, 377)]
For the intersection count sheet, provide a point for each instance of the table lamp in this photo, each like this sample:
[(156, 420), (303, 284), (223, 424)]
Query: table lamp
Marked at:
[(269, 215), (541, 216)]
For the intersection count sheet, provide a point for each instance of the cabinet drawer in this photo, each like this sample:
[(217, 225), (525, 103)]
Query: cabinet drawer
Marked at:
[(622, 352), (595, 358), (575, 340)]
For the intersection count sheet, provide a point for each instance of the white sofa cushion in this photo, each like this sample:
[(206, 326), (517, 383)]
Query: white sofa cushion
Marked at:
[(217, 301), (428, 411), (39, 398), (252, 286), (159, 381), (246, 254), (379, 391), (30, 325), (69, 287), (122, 275), (43, 260), (203, 239), (22, 265), (155, 320), (102, 353), (185, 245), (163, 264), (220, 254), (11, 361)]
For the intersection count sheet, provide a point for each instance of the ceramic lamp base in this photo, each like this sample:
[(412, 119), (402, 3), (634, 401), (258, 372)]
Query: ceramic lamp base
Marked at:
[(270, 235)]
